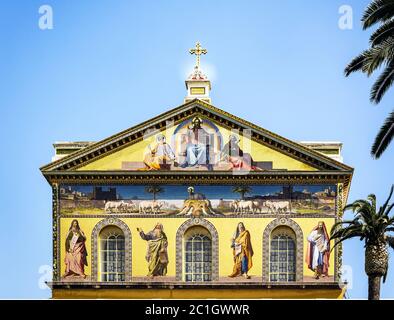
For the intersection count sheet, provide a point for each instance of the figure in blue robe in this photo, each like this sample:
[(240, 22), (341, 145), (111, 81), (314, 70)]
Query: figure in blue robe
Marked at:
[(197, 148)]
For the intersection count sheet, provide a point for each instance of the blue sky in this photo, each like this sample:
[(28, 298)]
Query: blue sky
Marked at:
[(108, 65)]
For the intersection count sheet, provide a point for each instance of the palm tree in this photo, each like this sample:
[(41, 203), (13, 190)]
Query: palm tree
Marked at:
[(372, 227), (380, 54), (242, 190), (155, 190)]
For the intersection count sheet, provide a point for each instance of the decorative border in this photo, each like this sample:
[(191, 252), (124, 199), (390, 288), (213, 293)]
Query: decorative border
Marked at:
[(175, 216), (299, 246), (95, 235), (340, 200), (338, 251), (55, 232), (179, 246), (207, 177)]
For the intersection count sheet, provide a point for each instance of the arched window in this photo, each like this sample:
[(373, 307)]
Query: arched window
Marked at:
[(282, 266), (197, 255), (112, 254)]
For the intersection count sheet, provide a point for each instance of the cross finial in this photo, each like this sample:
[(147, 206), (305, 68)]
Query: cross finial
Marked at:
[(198, 51)]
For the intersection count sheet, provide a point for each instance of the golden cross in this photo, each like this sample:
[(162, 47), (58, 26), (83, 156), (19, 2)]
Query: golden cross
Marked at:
[(198, 51)]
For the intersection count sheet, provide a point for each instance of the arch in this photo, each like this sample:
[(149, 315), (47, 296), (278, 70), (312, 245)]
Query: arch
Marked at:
[(183, 123), (282, 254), (95, 237), (197, 222), (285, 222), (197, 255), (111, 257)]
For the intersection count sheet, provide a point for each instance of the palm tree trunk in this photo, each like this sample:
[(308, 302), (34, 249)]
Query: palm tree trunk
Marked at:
[(373, 287)]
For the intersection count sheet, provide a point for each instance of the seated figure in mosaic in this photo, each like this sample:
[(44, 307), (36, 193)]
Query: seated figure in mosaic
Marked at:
[(233, 154), (159, 155), (197, 148)]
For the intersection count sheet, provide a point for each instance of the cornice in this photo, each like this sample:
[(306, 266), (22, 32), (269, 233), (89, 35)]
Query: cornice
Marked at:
[(192, 176)]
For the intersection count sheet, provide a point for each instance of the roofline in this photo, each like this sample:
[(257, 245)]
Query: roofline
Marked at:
[(221, 113), (119, 134)]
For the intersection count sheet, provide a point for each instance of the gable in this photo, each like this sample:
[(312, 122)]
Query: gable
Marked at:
[(178, 153), (254, 147)]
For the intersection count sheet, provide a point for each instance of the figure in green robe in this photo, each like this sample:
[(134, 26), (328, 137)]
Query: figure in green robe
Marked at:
[(156, 253)]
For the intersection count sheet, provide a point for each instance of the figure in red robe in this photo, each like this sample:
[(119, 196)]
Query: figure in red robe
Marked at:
[(233, 154), (76, 254), (318, 251)]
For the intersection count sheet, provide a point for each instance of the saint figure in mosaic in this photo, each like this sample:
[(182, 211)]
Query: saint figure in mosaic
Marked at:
[(156, 253), (76, 254), (159, 155), (233, 154), (242, 252), (318, 251)]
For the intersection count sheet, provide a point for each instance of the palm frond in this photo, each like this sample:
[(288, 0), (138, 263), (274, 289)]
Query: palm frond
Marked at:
[(340, 240), (383, 83), (372, 199), (355, 65), (384, 137), (374, 57), (377, 11), (352, 230), (362, 208), (383, 33), (388, 198), (390, 207), (390, 241), (385, 274)]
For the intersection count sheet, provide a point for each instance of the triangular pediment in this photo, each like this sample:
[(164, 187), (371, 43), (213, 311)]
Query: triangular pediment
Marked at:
[(176, 141)]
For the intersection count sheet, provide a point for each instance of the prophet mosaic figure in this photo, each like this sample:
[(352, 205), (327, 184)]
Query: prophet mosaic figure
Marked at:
[(318, 251), (159, 155), (156, 253), (242, 252), (233, 154), (76, 254)]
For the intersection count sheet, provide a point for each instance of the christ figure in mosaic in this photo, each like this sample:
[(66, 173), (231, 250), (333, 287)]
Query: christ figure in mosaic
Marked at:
[(156, 253), (76, 254), (197, 148), (242, 252)]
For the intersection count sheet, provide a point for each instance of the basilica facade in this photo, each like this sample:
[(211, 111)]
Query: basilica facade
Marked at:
[(197, 203)]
